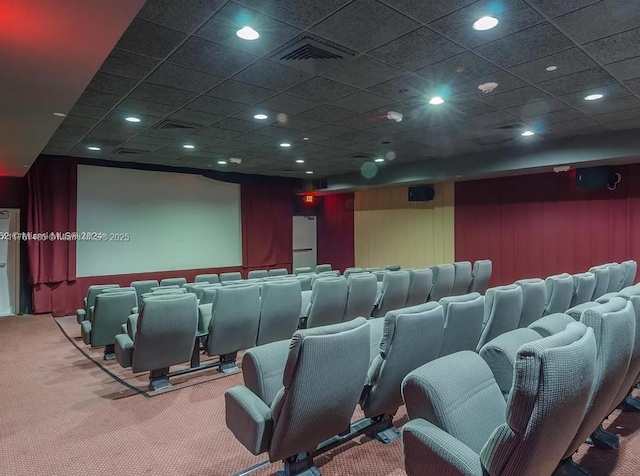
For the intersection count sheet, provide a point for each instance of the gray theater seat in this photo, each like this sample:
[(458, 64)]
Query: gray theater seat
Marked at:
[(278, 272), (462, 278), (615, 277), (231, 276), (602, 274), (458, 429), (361, 296), (302, 270), (258, 274), (420, 283), (393, 267), (327, 302), (630, 268), (128, 289), (279, 310), (173, 282), (164, 288), (207, 278), (559, 293), (443, 277), (90, 301), (534, 296), (584, 284), (321, 268), (394, 292), (371, 270), (164, 335), (409, 341), (480, 276), (143, 287), (290, 412), (463, 317), (502, 311), (306, 281), (349, 271), (110, 313), (208, 292)]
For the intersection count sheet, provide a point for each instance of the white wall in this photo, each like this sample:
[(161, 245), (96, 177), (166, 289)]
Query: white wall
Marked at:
[(174, 221)]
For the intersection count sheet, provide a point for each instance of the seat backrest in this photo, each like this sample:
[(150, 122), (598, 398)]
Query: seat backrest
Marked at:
[(613, 324), (96, 289), (323, 379), (349, 271), (258, 274), (409, 341), (480, 276), (361, 296), (208, 278), (443, 277), (231, 276), (461, 278), (380, 274), (173, 282), (559, 293), (584, 284), (302, 270), (502, 311), (128, 289), (321, 268), (463, 316), (306, 281), (394, 292), (615, 276), (552, 378), (143, 287), (235, 319), (328, 301), (278, 272), (420, 284), (111, 311), (630, 268), (534, 297), (603, 274), (393, 267), (208, 293), (279, 310), (166, 332)]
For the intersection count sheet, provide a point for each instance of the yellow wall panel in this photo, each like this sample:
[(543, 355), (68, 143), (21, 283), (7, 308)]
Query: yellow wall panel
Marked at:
[(391, 230)]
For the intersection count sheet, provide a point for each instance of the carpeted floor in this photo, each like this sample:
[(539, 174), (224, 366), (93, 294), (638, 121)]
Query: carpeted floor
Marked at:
[(60, 414)]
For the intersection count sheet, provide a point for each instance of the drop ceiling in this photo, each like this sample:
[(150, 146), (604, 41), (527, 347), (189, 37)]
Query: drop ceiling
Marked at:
[(181, 69)]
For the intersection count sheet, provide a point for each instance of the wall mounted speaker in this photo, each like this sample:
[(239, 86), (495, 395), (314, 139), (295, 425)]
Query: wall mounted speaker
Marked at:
[(421, 193)]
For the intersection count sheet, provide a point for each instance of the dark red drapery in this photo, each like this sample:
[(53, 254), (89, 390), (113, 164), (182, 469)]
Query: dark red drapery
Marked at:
[(335, 231)]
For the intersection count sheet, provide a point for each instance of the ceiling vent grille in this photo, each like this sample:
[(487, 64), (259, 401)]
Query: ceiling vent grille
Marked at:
[(310, 52), (508, 127), (311, 55), (125, 151), (169, 125), (361, 157)]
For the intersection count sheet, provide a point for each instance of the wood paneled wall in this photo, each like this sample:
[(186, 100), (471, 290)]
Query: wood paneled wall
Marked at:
[(391, 230)]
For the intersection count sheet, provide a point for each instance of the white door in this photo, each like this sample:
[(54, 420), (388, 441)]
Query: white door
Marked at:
[(304, 242), (9, 262)]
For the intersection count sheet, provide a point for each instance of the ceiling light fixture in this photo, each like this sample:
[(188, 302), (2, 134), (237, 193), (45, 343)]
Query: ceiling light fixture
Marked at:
[(189, 146), (487, 87), (305, 138), (93, 147), (222, 162), (528, 133), (551, 68), (379, 160), (285, 144), (59, 114), (485, 23), (132, 119), (593, 97), (261, 117), (436, 100), (248, 33), (299, 161), (309, 172)]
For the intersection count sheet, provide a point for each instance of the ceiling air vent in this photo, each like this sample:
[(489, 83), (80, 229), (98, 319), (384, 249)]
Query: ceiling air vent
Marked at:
[(361, 157), (508, 127), (125, 151), (311, 54), (176, 125)]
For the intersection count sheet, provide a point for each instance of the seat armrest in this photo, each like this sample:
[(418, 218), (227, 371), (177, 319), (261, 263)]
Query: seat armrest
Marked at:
[(123, 329), (91, 309), (135, 310), (424, 445), (263, 369), (205, 312), (248, 418), (132, 326), (552, 324), (81, 315), (124, 350), (85, 331)]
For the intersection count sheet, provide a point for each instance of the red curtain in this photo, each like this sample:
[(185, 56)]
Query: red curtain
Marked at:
[(538, 225), (51, 207), (335, 231), (267, 227)]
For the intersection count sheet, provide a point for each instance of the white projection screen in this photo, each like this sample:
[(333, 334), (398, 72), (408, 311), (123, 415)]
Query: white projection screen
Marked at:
[(174, 221)]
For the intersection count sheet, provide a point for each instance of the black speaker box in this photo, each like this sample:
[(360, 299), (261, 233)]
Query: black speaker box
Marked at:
[(590, 178), (421, 193)]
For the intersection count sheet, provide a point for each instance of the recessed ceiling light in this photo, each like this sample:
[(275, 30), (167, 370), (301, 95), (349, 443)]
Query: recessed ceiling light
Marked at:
[(551, 68), (93, 147), (132, 119), (285, 144), (305, 138), (309, 172), (593, 97), (485, 23), (248, 33), (222, 162), (379, 159), (528, 133), (261, 117), (189, 146), (59, 114), (436, 100), (299, 161)]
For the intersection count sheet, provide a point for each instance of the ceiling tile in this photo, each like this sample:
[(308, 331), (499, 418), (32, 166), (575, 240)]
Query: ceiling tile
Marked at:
[(299, 123), (633, 85), (492, 118), (610, 91), (254, 139), (574, 125), (216, 106), (108, 83), (472, 108), (514, 16), (240, 92), (615, 48), (114, 130), (533, 43), (237, 125), (287, 104), (361, 101), (192, 12), (515, 97), (537, 108), (150, 140), (149, 39), (227, 21), (97, 99), (363, 72), (331, 130), (119, 116), (563, 115), (505, 82), (577, 82), (360, 16), (600, 20), (321, 89), (145, 107), (175, 76), (70, 133), (415, 50), (609, 106), (272, 75), (627, 69), (327, 113), (619, 116), (402, 88), (568, 61), (129, 65), (427, 12), (457, 69), (554, 8), (360, 136), (274, 132), (203, 55), (622, 125), (203, 140), (195, 117), (86, 122), (172, 134), (162, 94), (296, 12)]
